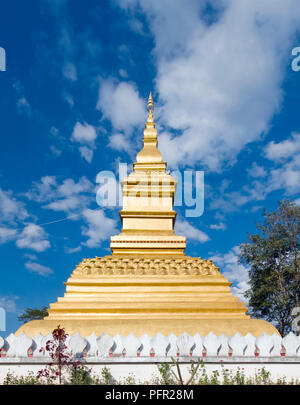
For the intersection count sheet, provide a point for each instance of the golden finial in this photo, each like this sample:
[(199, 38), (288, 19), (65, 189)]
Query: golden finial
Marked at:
[(150, 108), (150, 104)]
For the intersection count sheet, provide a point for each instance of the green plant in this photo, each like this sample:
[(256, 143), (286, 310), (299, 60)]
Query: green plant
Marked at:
[(29, 379), (227, 377), (240, 377), (81, 375), (198, 376), (165, 374), (129, 380), (262, 377), (203, 379), (106, 376), (214, 380)]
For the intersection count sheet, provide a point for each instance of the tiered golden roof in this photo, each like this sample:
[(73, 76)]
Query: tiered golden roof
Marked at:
[(148, 284)]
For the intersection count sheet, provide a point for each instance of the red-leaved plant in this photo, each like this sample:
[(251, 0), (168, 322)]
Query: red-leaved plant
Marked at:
[(62, 359)]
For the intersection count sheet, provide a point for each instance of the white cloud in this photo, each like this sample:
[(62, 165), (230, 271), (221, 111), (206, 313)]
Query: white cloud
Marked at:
[(166, 18), (120, 142), (68, 196), (230, 201), (56, 152), (286, 158), (85, 135), (87, 153), (69, 71), (286, 177), (99, 227), (121, 104), (69, 187), (240, 289), (60, 142), (68, 98), (219, 83), (11, 209), (7, 234), (221, 226), (23, 106), (283, 150), (73, 250), (65, 204), (283, 175), (30, 256), (44, 190), (12, 212), (256, 171), (185, 228), (33, 237), (8, 303), (38, 268), (233, 271), (123, 73)]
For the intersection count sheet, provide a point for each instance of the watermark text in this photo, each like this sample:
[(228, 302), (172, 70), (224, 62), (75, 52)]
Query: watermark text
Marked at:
[(2, 60), (296, 61), (177, 188), (2, 319)]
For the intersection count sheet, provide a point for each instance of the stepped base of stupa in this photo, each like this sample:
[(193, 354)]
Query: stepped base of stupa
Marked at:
[(148, 294), (150, 326)]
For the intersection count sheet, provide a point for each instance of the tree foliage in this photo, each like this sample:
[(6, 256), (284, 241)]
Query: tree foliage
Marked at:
[(33, 314), (273, 257)]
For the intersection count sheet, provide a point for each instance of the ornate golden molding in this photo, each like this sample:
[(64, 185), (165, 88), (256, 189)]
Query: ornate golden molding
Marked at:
[(146, 266)]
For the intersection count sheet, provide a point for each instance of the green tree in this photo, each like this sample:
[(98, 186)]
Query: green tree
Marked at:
[(273, 257), (32, 314)]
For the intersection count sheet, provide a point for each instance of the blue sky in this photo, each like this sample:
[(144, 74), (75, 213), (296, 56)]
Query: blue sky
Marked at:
[(73, 104)]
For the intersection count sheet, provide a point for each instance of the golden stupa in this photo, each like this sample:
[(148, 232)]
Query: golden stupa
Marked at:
[(148, 284)]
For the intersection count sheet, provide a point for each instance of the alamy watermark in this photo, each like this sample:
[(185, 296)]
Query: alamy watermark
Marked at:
[(296, 61), (189, 189), (2, 319), (2, 60)]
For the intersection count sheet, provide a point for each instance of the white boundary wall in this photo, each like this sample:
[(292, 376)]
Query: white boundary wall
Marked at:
[(140, 357)]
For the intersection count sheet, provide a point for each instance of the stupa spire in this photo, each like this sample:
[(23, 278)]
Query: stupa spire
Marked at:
[(150, 108), (147, 213), (150, 154)]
